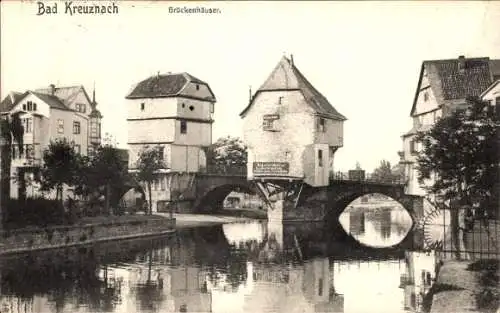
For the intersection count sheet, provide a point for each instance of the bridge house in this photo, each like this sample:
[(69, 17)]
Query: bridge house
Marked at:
[(290, 129), (443, 86), (172, 112)]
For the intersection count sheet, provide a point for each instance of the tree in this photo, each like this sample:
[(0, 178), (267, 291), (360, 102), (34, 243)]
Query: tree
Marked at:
[(149, 162), (460, 153), (226, 154), (383, 173), (104, 169), (60, 166), (11, 130)]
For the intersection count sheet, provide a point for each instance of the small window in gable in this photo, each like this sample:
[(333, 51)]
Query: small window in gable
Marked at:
[(24, 107), (191, 108), (34, 106), (197, 87), (426, 97)]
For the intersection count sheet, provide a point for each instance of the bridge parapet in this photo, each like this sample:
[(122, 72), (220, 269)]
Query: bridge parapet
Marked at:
[(370, 178)]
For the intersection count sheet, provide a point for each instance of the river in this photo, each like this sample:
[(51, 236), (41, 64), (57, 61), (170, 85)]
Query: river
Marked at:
[(251, 267)]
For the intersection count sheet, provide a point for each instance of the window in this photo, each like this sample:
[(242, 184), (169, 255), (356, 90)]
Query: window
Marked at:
[(183, 127), (280, 99), (197, 87), (27, 124), (191, 108), (320, 287), (183, 308), (320, 158), (142, 106), (160, 153), (76, 127), (426, 97), (413, 146), (497, 101), (321, 125), (60, 126), (24, 107), (268, 122), (78, 149), (34, 106)]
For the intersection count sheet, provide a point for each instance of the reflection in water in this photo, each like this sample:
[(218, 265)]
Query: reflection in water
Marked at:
[(381, 227), (247, 268)]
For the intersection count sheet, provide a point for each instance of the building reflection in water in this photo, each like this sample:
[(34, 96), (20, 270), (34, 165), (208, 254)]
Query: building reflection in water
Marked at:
[(418, 278), (244, 267), (381, 227)]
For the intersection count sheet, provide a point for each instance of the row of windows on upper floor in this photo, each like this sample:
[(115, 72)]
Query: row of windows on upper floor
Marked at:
[(183, 105), (95, 128), (29, 151), (31, 106), (268, 123)]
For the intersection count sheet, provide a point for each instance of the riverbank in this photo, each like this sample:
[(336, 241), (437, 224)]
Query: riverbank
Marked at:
[(198, 220), (86, 232), (466, 286)]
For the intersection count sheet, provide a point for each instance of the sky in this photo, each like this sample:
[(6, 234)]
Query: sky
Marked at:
[(365, 56)]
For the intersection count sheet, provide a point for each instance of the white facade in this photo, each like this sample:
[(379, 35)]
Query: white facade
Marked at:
[(175, 116), (47, 115), (289, 135)]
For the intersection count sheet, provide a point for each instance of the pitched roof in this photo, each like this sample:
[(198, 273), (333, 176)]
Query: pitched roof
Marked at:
[(456, 79), (10, 100), (66, 94), (493, 85), (286, 76), (53, 101), (167, 85)]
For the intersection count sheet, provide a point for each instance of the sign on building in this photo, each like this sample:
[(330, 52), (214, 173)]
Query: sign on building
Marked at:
[(271, 167)]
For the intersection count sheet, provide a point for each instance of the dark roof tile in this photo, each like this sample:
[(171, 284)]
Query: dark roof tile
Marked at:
[(286, 76), (167, 85)]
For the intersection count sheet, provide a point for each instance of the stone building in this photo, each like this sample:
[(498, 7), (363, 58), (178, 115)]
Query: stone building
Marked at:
[(443, 86), (49, 114), (174, 113), (290, 128)]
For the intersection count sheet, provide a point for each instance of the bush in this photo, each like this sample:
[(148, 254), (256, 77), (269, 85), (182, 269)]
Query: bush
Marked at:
[(32, 212)]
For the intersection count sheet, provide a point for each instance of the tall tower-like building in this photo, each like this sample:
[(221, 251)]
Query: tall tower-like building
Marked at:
[(173, 113)]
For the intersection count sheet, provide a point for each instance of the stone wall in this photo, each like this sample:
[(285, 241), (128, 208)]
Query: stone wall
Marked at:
[(64, 236)]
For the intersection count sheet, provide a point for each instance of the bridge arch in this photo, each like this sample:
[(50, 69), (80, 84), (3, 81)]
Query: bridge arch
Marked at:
[(212, 199)]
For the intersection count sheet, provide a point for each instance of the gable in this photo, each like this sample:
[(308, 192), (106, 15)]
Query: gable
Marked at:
[(426, 101), (197, 90), (492, 92), (286, 76), (42, 107)]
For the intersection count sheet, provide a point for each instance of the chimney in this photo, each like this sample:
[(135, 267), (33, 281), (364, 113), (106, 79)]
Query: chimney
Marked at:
[(461, 62), (52, 89)]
